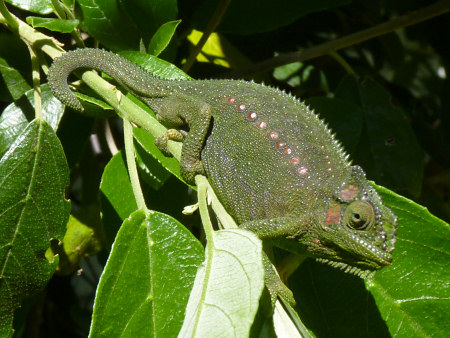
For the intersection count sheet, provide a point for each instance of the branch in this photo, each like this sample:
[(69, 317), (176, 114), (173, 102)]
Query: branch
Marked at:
[(408, 19)]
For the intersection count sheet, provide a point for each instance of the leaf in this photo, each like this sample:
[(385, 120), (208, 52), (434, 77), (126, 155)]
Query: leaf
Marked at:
[(159, 165), (145, 286), (33, 177), (162, 37), (105, 20), (56, 25), (14, 81), (227, 287), (36, 6), (155, 66), (388, 150), (413, 293), (116, 186), (15, 117)]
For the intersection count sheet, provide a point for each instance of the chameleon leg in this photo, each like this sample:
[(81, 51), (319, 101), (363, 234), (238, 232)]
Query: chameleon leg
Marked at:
[(170, 134), (275, 227), (274, 284), (179, 110)]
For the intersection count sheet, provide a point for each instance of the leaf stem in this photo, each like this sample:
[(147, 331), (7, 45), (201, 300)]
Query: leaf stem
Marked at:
[(131, 164), (36, 75), (408, 19), (202, 186)]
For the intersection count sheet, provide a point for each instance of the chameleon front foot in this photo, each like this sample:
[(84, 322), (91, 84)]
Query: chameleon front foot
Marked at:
[(170, 134)]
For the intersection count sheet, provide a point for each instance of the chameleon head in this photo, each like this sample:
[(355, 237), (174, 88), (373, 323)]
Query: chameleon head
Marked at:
[(357, 233)]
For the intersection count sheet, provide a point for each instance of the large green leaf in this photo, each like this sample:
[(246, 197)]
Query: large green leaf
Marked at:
[(15, 117), (33, 210), (227, 287), (413, 294), (145, 286), (36, 6)]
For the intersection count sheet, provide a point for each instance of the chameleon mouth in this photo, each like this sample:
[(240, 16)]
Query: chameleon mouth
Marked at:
[(348, 268)]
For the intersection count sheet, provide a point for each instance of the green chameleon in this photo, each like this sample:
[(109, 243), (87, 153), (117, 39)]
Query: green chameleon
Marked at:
[(272, 162)]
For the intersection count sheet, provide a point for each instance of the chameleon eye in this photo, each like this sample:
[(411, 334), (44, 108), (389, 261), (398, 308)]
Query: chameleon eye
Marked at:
[(359, 215)]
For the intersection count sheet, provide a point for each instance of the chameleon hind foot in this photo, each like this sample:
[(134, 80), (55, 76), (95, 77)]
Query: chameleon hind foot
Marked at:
[(170, 134)]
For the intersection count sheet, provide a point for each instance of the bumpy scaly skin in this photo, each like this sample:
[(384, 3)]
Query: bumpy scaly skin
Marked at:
[(272, 162)]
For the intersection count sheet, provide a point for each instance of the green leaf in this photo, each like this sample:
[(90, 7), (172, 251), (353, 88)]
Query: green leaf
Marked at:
[(15, 83), (388, 150), (56, 25), (162, 37), (15, 117), (157, 167), (36, 6), (156, 66), (105, 20), (413, 293), (145, 286), (227, 287), (33, 177), (116, 186)]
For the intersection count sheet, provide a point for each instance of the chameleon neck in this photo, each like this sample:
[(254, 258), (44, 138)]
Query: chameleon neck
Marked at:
[(135, 79)]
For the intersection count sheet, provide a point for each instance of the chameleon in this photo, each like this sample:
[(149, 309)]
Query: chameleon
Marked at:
[(274, 164)]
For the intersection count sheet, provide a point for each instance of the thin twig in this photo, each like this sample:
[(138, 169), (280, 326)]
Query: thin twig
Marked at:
[(215, 20), (408, 19)]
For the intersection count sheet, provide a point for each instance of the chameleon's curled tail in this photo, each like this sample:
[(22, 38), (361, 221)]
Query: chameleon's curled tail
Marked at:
[(128, 74)]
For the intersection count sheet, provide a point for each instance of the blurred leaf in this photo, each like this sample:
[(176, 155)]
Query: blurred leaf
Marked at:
[(105, 20), (250, 17), (413, 293), (388, 150), (36, 6), (56, 25), (34, 176), (162, 37), (83, 238), (15, 117), (227, 288), (344, 118), (146, 282), (16, 84)]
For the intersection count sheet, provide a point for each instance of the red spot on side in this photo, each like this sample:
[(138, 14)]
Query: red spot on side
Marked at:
[(316, 241), (349, 193), (231, 100), (333, 214)]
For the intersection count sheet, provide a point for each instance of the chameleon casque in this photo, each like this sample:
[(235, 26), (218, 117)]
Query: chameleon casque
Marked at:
[(272, 162)]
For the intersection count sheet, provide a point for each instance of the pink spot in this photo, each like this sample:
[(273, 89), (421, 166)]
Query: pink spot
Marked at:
[(274, 135), (333, 214), (281, 144), (252, 116), (241, 107), (349, 192), (295, 160), (231, 100), (288, 151), (302, 170), (262, 124)]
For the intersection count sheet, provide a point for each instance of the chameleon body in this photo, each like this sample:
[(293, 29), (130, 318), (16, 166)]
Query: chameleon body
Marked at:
[(272, 162)]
